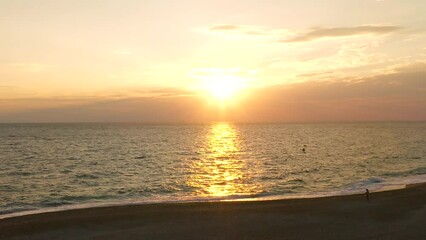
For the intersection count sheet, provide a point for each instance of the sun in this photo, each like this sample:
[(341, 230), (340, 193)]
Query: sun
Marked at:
[(223, 87)]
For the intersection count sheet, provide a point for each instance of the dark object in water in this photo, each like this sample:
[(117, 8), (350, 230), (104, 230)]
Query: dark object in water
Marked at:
[(367, 194), (303, 149)]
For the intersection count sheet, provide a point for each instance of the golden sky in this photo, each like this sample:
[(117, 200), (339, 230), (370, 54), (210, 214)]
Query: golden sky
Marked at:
[(197, 61)]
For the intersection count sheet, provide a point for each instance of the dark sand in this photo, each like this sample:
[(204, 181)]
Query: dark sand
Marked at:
[(398, 214)]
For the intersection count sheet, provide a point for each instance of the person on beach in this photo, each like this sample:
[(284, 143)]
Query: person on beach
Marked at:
[(367, 194)]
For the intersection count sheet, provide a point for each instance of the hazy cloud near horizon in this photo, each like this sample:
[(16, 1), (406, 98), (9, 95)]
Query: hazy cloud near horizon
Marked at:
[(396, 96)]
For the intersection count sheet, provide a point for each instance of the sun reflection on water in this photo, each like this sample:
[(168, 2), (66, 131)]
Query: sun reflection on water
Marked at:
[(220, 171)]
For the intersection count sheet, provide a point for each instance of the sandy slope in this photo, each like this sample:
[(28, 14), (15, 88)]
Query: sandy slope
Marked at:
[(398, 214)]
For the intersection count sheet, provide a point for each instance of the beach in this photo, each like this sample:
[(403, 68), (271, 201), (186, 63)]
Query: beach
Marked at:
[(395, 214)]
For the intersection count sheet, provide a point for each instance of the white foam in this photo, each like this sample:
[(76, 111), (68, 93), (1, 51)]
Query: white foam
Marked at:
[(373, 184)]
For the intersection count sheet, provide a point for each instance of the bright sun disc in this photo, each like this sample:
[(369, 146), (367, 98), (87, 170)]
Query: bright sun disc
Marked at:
[(223, 87)]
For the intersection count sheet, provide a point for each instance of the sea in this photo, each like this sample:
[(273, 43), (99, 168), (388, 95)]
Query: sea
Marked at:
[(49, 167)]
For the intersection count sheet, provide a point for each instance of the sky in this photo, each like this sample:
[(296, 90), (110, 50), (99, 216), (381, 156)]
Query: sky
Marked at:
[(201, 61)]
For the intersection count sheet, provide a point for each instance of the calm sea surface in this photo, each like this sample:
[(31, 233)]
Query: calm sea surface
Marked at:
[(53, 165)]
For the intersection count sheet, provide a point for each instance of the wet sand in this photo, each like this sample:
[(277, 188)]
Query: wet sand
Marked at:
[(397, 214)]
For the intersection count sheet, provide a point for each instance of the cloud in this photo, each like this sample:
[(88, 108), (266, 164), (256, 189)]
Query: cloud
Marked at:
[(137, 109), (225, 27), (242, 29), (291, 35), (319, 33), (349, 58), (397, 96), (161, 92)]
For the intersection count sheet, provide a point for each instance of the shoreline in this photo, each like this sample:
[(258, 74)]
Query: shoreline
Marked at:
[(383, 184), (132, 202), (388, 214)]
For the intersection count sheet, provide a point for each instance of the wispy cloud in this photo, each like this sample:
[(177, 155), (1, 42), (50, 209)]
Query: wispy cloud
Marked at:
[(319, 33), (161, 92), (225, 27), (292, 35), (243, 29)]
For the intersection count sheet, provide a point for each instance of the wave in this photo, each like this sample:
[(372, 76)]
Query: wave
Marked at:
[(374, 184), (415, 171), (369, 182), (383, 184)]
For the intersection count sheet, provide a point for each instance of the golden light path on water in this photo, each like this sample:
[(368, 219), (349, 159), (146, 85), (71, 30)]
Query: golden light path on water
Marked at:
[(220, 172)]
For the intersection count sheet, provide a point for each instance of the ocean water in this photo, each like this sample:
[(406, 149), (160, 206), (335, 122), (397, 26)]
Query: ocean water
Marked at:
[(49, 166)]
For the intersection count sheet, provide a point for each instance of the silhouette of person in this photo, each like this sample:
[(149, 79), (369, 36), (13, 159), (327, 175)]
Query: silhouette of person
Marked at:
[(367, 194)]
